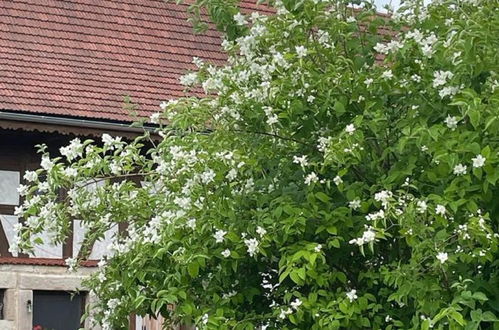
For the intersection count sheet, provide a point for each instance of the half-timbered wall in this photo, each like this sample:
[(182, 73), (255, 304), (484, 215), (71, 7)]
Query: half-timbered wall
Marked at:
[(17, 155)]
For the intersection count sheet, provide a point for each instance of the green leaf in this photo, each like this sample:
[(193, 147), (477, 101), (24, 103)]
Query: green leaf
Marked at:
[(480, 296), (193, 269)]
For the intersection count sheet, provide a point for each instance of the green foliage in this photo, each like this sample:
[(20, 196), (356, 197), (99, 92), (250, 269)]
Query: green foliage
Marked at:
[(316, 186)]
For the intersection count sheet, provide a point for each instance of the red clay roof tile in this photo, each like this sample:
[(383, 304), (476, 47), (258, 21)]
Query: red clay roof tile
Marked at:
[(79, 58)]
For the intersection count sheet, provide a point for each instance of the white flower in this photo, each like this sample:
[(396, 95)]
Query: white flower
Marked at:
[(478, 161), (451, 122), (337, 180), (302, 160), (30, 176), (155, 117), (355, 204), (208, 176), (459, 169), (163, 105), (232, 174), (284, 313), (440, 210), (219, 236), (312, 177), (301, 51), (352, 295), (260, 231), (441, 77), (368, 236), (240, 19), (109, 141), (368, 82), (71, 172), (73, 150), (191, 223), (46, 163), (22, 189), (252, 245), (421, 206), (442, 257), (189, 79), (383, 197), (205, 319), (350, 129), (226, 253), (387, 74), (318, 248), (295, 304), (351, 19), (71, 263)]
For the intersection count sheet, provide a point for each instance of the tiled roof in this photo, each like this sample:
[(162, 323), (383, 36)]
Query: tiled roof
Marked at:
[(79, 58), (42, 262)]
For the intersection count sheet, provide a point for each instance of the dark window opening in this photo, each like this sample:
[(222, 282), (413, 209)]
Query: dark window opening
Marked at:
[(2, 295), (58, 310)]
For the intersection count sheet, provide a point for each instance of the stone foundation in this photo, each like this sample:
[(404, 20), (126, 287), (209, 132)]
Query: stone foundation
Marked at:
[(20, 281)]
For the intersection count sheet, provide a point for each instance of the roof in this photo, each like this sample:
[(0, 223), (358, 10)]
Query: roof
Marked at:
[(79, 58)]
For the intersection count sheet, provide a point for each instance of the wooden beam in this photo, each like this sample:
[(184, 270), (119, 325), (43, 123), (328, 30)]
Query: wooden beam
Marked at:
[(7, 209), (67, 245)]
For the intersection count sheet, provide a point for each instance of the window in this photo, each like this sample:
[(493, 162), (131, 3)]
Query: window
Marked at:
[(58, 310), (9, 181), (9, 199)]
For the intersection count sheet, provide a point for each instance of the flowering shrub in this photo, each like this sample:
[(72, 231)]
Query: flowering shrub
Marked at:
[(316, 186)]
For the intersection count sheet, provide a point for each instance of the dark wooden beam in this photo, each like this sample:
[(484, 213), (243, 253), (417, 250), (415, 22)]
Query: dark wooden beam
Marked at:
[(7, 209), (67, 245)]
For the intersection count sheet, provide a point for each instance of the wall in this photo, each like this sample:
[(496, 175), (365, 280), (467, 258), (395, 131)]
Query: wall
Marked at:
[(21, 280)]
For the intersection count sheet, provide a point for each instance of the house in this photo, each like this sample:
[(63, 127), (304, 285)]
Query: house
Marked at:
[(65, 69)]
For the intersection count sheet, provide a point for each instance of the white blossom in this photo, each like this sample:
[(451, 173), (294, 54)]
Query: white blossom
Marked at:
[(71, 263), (46, 163), (388, 74), (191, 223), (295, 304), (302, 160), (459, 169), (219, 236), (350, 129), (352, 295), (252, 245), (440, 210), (442, 257), (478, 161), (261, 231), (30, 176), (368, 236), (73, 150), (226, 253), (318, 248), (240, 19), (451, 122), (189, 79), (311, 178), (355, 204), (301, 51), (337, 180), (421, 206), (440, 78)]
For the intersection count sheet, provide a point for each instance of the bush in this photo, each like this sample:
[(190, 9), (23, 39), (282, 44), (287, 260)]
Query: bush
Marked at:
[(334, 176)]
